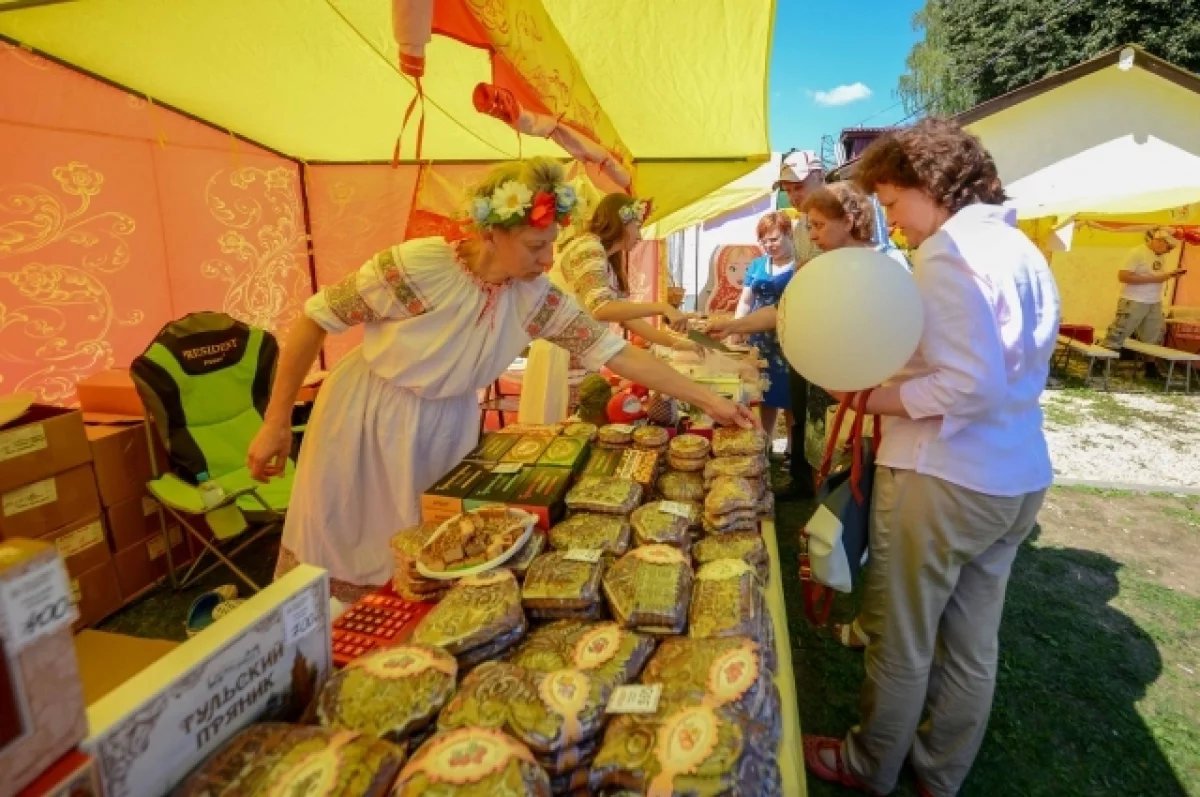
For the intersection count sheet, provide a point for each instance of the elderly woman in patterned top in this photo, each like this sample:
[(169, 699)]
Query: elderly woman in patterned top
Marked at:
[(440, 323)]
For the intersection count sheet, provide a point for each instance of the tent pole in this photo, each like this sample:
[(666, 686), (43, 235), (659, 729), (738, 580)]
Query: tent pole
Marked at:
[(308, 241)]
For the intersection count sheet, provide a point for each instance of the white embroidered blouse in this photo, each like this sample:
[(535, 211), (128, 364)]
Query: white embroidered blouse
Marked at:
[(433, 328)]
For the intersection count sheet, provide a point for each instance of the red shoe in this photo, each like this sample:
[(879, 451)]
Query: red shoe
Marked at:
[(840, 774)]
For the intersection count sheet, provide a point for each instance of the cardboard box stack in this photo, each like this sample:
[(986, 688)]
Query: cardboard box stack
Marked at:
[(121, 461), (48, 493)]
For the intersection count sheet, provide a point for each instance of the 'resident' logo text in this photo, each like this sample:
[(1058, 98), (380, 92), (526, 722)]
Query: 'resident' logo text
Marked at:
[(215, 352)]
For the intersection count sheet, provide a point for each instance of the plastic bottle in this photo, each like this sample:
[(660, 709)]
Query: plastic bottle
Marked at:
[(211, 493)]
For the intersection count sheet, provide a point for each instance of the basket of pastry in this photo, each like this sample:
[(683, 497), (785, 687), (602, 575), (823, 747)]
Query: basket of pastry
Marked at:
[(475, 542)]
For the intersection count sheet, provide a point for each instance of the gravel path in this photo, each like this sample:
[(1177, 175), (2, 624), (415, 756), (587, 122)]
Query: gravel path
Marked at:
[(1139, 438)]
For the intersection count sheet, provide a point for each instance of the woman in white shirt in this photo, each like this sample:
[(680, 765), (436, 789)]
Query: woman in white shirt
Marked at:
[(963, 467)]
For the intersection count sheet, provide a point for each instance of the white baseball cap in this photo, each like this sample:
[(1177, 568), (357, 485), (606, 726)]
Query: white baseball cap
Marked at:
[(797, 165)]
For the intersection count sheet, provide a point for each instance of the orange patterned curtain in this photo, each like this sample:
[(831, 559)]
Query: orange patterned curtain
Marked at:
[(117, 216)]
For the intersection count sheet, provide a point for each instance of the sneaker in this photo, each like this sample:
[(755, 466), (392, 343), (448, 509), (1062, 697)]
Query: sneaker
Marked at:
[(210, 607)]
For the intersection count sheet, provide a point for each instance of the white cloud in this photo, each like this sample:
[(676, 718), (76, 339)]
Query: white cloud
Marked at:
[(842, 95)]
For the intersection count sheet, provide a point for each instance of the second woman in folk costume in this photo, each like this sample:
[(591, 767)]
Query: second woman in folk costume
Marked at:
[(440, 323), (593, 266)]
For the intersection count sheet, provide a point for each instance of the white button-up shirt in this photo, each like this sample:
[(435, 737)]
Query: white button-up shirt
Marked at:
[(972, 389)]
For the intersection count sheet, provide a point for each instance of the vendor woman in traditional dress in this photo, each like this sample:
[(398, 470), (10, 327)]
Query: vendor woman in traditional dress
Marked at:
[(594, 267), (440, 323)]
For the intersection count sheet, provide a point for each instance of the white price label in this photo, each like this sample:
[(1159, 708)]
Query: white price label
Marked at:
[(20, 442), (675, 508), (588, 555), (507, 467), (35, 604), (30, 497), (622, 428), (300, 618), (635, 699)]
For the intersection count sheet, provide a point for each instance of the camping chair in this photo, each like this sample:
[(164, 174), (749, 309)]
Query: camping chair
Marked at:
[(205, 381)]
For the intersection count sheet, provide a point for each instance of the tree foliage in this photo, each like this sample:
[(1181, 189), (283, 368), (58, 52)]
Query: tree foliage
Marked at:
[(975, 50)]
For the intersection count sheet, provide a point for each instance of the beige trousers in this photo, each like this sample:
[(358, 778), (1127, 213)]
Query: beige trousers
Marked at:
[(932, 610)]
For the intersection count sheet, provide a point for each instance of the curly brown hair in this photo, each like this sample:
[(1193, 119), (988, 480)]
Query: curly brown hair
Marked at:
[(843, 201), (935, 156)]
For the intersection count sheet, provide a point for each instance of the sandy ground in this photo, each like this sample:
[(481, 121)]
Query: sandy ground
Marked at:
[(1140, 438)]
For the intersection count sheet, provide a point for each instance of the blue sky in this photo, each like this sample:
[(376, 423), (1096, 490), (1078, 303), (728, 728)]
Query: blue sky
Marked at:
[(834, 64)]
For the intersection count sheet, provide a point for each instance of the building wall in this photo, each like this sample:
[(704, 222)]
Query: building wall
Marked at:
[(1091, 112)]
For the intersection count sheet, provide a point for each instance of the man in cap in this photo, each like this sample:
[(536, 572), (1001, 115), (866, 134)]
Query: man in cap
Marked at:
[(1140, 310), (800, 174)]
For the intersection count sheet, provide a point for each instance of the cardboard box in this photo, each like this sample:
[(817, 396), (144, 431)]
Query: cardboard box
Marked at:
[(108, 660), (82, 545), (40, 443), (41, 695), (37, 508), (565, 452), (73, 775), (110, 392), (528, 449), (264, 662), (96, 594), (444, 500), (602, 462), (121, 460), (492, 447), (131, 522), (542, 492), (497, 488), (145, 564)]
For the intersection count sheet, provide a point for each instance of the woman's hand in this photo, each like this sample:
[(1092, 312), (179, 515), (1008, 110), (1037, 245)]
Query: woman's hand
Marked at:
[(723, 328), (728, 413), (269, 451), (677, 319)]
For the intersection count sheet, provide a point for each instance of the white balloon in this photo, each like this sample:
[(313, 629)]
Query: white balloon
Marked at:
[(850, 319)]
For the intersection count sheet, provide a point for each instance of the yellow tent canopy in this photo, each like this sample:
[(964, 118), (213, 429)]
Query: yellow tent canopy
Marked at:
[(682, 82)]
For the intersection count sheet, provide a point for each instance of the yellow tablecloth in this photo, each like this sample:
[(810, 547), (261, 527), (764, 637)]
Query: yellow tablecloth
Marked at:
[(791, 761)]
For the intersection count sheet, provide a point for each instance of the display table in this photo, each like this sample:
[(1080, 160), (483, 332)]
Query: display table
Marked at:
[(791, 762)]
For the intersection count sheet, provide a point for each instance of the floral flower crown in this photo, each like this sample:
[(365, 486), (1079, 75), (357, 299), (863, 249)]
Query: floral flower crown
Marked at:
[(638, 210), (514, 203)]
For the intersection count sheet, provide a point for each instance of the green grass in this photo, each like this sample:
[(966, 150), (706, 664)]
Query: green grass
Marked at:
[(1093, 696)]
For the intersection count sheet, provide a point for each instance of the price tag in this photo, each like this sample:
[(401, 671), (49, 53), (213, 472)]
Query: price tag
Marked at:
[(507, 467), (635, 699), (588, 555), (622, 428), (300, 618), (36, 604), (675, 508)]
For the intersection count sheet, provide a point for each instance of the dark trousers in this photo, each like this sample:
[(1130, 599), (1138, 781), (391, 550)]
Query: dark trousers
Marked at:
[(802, 472)]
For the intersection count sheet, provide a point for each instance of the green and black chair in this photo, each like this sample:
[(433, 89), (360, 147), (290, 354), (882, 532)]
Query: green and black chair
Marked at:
[(205, 381)]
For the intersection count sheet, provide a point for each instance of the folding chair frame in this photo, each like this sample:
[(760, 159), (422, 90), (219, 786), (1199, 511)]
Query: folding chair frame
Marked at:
[(274, 518)]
